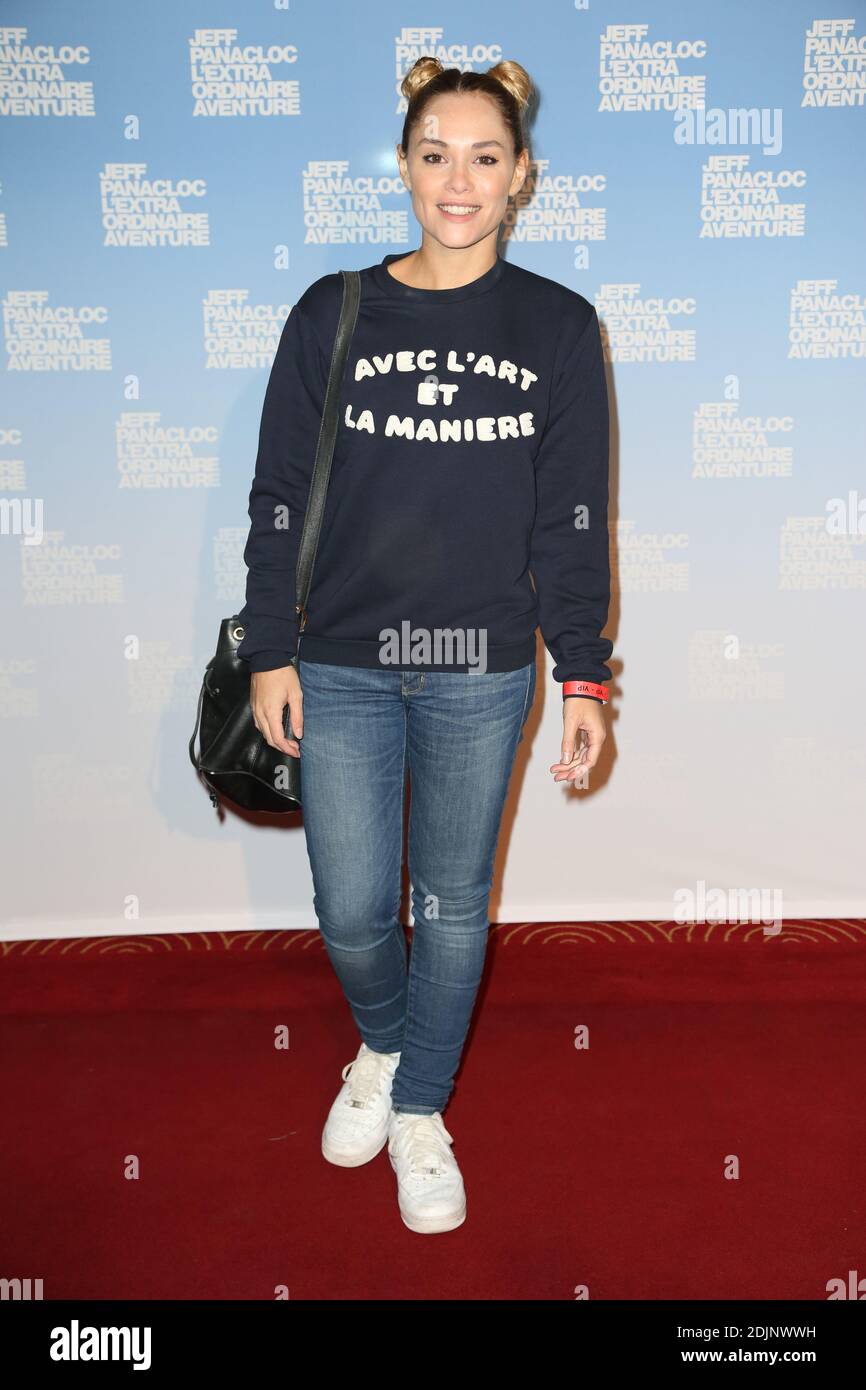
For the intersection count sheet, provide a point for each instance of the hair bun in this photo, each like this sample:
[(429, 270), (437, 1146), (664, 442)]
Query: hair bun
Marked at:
[(422, 71), (515, 79)]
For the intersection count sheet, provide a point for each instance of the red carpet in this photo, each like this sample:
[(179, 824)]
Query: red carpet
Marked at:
[(602, 1167)]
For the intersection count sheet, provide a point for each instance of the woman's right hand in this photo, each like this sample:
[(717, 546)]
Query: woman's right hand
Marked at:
[(270, 692)]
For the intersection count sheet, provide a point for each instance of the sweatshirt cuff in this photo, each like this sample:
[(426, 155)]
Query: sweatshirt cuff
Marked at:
[(268, 661), (268, 643)]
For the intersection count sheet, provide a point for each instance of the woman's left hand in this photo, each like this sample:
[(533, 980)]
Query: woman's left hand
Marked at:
[(583, 733)]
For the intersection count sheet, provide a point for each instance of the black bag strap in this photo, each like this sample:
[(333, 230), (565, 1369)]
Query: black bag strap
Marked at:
[(325, 446)]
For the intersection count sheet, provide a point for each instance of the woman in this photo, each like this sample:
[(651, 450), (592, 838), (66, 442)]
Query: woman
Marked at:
[(472, 450)]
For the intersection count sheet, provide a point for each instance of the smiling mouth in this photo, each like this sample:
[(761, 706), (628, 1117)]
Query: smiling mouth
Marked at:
[(459, 209)]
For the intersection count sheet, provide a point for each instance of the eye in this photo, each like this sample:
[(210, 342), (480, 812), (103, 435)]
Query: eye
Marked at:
[(434, 154)]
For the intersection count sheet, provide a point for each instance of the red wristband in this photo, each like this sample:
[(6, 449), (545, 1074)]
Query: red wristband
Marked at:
[(596, 692)]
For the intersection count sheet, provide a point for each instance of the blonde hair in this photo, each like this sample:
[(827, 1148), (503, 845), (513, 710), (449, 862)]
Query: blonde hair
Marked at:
[(507, 83)]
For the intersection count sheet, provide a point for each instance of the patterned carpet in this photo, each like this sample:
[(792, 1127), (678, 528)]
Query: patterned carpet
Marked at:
[(800, 931), (633, 1122)]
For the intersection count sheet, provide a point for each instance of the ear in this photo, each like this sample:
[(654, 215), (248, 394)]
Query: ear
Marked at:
[(521, 169)]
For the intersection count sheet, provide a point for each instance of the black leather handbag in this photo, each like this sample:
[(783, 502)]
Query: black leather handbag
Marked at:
[(234, 761)]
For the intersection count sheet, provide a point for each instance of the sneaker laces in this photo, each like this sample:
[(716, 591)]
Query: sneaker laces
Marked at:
[(423, 1139), (364, 1074)]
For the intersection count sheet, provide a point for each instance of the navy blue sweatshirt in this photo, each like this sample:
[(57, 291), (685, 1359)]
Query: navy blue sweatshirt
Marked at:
[(472, 450)]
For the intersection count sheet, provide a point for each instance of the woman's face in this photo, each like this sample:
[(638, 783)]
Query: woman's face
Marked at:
[(461, 168)]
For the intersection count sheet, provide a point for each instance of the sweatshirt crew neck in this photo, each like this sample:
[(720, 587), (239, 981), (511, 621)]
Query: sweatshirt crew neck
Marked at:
[(386, 282), (467, 500)]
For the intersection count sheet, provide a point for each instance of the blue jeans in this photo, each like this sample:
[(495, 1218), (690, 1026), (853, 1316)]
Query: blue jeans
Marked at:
[(458, 733)]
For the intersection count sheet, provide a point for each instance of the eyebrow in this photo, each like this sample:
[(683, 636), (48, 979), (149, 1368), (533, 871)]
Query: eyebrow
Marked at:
[(477, 144)]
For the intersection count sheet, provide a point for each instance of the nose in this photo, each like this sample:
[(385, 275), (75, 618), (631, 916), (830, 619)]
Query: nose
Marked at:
[(459, 181)]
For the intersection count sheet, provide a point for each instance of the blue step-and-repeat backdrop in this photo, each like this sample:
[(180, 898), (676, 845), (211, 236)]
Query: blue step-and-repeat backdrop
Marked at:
[(173, 175)]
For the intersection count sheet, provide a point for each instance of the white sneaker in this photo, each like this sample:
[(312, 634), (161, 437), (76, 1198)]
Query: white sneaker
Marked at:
[(357, 1124), (430, 1190)]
